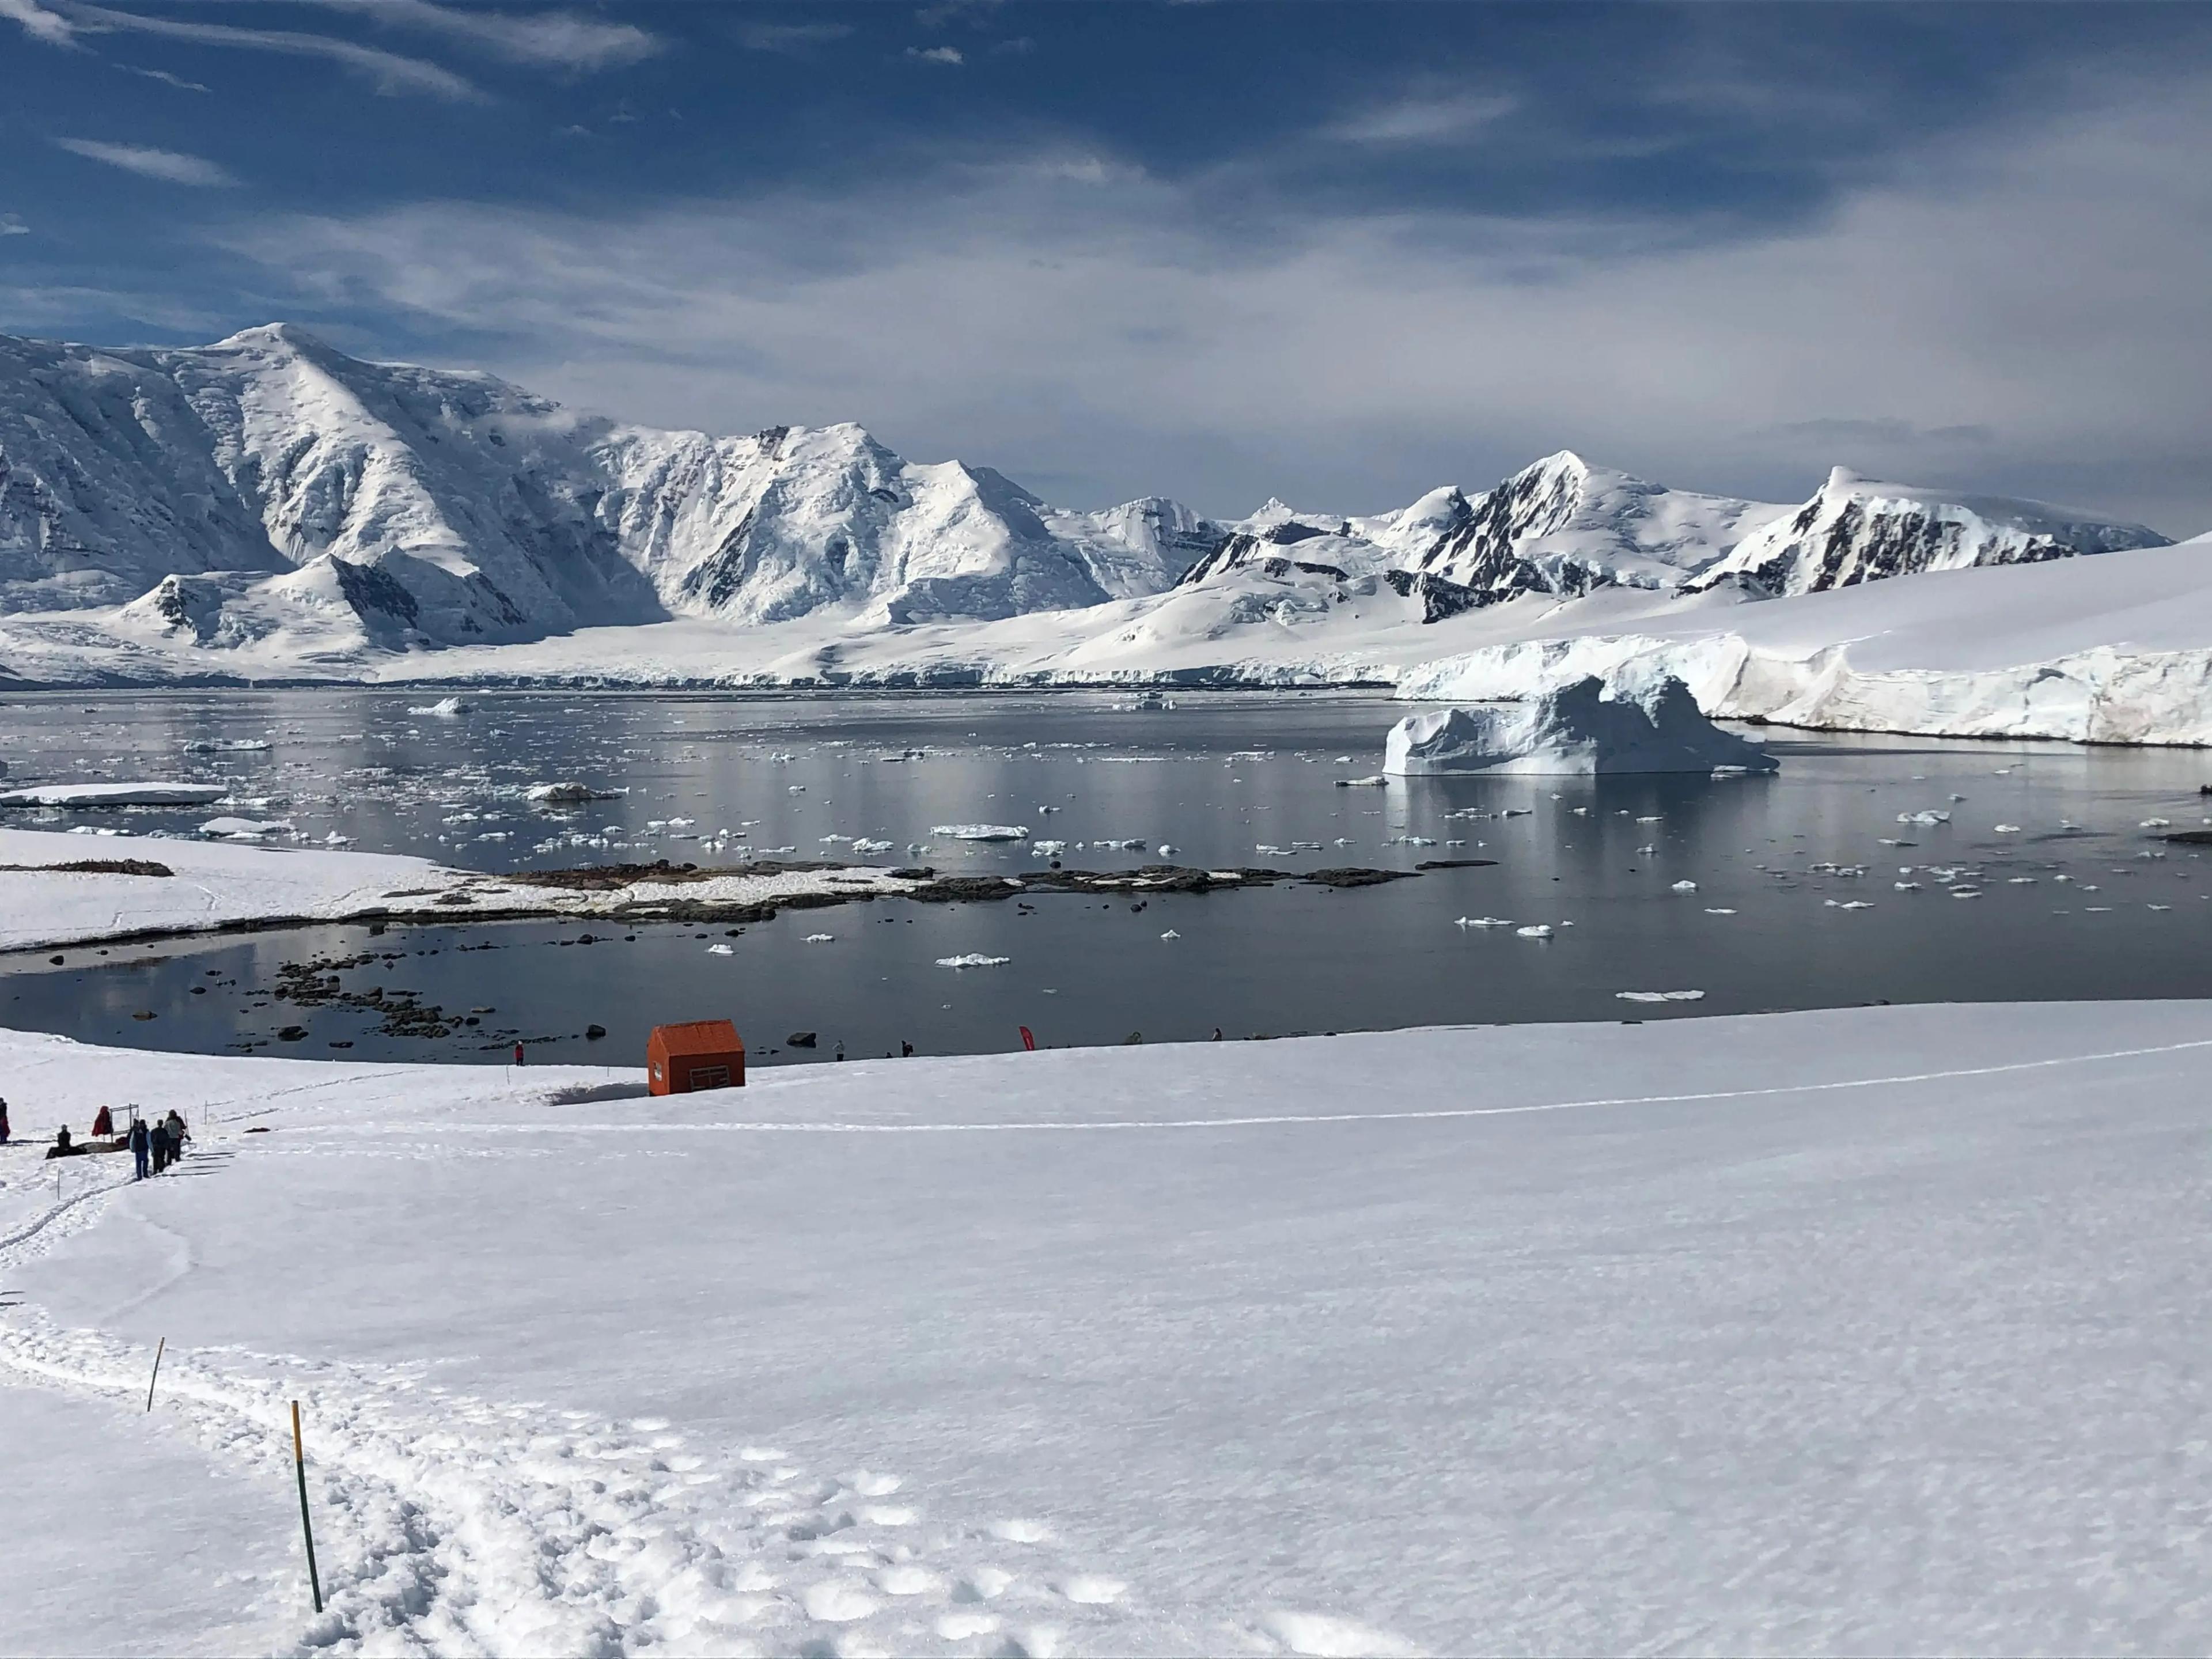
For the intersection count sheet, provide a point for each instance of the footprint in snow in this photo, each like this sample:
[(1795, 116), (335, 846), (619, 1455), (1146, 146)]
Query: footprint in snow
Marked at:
[(1091, 1589)]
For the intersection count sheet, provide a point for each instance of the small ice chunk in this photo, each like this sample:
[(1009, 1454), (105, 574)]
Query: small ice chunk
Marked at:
[(973, 959), (446, 708), (1686, 887), (1482, 921), (1172, 934), (984, 832), (720, 951), (820, 939), (1540, 930)]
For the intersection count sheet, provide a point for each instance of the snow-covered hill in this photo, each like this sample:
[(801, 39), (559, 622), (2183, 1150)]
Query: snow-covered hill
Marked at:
[(270, 488)]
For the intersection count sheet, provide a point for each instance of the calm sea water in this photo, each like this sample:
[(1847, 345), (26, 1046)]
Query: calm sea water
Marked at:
[(1794, 904)]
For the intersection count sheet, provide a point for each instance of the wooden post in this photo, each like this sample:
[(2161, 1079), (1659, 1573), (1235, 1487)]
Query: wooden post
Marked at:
[(157, 1372), (299, 1468)]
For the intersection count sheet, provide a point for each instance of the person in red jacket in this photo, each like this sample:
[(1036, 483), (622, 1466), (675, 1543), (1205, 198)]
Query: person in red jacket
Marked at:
[(103, 1124)]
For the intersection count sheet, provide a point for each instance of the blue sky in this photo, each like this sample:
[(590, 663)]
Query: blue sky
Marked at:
[(1339, 253)]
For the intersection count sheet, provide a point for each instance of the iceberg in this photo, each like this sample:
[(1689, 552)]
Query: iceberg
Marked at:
[(982, 831), (1581, 728), (116, 794)]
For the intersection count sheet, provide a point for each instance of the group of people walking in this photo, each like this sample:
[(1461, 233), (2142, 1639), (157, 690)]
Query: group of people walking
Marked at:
[(159, 1143)]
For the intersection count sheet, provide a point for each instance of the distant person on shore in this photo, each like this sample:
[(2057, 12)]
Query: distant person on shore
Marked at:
[(141, 1140), (178, 1135), (103, 1124), (157, 1145), (3, 1123), (62, 1147), (517, 1054)]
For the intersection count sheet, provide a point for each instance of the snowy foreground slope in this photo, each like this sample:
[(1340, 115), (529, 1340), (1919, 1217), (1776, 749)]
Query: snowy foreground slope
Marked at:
[(1868, 1329)]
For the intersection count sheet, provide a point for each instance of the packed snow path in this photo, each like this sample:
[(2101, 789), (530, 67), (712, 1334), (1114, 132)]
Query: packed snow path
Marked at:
[(1872, 1328)]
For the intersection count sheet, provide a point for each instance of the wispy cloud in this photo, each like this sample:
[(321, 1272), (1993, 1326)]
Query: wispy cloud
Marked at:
[(389, 71), (950, 55), (170, 166), (551, 40), (37, 23), (164, 77), (11, 224), (791, 39), (1422, 121)]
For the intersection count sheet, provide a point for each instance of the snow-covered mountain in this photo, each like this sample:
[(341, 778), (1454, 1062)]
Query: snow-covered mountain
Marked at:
[(1563, 526), (268, 482), (1857, 531), (270, 507)]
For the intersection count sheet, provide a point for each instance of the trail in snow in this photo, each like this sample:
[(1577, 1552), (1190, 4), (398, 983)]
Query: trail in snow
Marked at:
[(450, 1524), (788, 1126)]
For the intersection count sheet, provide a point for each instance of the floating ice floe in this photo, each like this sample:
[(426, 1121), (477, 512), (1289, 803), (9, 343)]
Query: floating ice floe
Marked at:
[(1048, 849), (871, 849), (1641, 724), (1686, 887), (2154, 823), (1660, 996), (985, 832), (116, 794), (244, 829), (720, 951), (446, 708), (1711, 910), (1167, 851), (2007, 828), (1482, 921), (1172, 934), (568, 793), (1540, 930), (820, 939), (1929, 815), (973, 959), (230, 746)]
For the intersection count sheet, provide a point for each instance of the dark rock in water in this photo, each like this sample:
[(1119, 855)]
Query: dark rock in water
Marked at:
[(2191, 837), (292, 1034), (1355, 877), (1455, 864), (144, 1013), (799, 1040), (1134, 1037), (593, 1033)]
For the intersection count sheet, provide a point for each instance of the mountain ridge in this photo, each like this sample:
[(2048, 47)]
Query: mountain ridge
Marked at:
[(272, 494)]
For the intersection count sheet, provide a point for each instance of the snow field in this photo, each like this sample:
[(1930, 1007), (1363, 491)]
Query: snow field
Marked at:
[(1861, 1330)]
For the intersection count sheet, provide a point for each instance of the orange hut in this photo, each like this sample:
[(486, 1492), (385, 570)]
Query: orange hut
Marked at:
[(702, 1054)]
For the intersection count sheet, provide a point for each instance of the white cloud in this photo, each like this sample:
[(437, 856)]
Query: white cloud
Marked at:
[(11, 224), (390, 72), (937, 54), (171, 167), (37, 23), (547, 38), (1422, 121), (2022, 311), (164, 77)]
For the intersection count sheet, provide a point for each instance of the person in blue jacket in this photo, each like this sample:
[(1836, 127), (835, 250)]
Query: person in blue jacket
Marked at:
[(139, 1141)]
